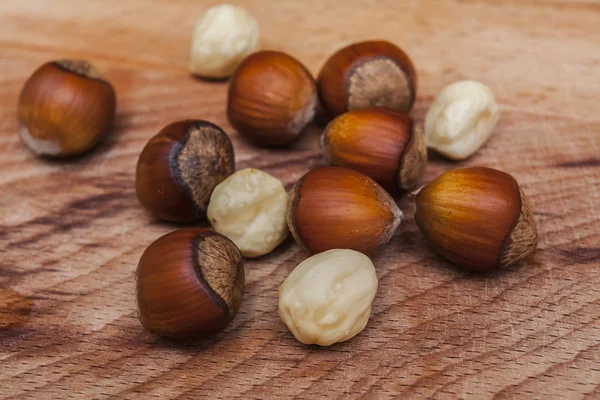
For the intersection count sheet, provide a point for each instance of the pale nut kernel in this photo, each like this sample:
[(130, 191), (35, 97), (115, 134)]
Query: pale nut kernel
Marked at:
[(222, 38), (327, 298), (461, 119), (249, 207)]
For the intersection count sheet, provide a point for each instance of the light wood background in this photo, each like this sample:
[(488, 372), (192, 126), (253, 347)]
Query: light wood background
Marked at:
[(71, 233)]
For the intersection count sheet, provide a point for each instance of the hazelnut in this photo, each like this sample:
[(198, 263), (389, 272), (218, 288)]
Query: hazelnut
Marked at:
[(179, 168), (477, 218), (223, 37), (249, 208), (190, 284), (385, 145), (66, 107), (367, 74), (327, 298), (272, 98), (334, 208), (461, 119)]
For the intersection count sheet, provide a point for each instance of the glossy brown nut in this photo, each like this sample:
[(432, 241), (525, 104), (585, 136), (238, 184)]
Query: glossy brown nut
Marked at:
[(367, 74), (180, 167), (383, 144), (477, 218), (339, 208), (190, 283), (272, 98), (65, 108)]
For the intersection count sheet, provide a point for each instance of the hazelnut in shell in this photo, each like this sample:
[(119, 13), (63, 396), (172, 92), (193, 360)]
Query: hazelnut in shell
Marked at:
[(339, 208), (179, 168), (189, 283), (66, 107), (367, 74), (386, 145), (272, 97), (477, 218)]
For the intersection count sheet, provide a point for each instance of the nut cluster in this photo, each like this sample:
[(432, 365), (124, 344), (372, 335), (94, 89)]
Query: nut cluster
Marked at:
[(190, 282)]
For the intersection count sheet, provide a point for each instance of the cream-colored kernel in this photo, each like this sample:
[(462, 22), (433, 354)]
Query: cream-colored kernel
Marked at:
[(249, 208), (223, 37), (327, 298), (461, 119)]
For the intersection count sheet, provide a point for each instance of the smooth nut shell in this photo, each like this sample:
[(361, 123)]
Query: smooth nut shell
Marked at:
[(65, 108), (190, 283), (367, 74), (477, 218), (271, 99), (385, 145), (180, 167), (339, 208)]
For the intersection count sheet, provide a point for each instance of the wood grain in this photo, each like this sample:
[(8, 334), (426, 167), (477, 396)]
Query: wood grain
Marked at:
[(71, 233)]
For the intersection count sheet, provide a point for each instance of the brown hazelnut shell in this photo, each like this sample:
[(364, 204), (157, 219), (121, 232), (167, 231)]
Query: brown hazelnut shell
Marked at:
[(179, 168), (272, 97), (477, 218), (339, 208), (189, 283), (383, 144), (367, 74), (65, 108)]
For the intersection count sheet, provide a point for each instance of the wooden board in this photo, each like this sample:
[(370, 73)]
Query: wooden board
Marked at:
[(71, 233)]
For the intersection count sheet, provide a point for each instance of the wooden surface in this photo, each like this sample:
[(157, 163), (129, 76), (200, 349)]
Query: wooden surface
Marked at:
[(71, 233)]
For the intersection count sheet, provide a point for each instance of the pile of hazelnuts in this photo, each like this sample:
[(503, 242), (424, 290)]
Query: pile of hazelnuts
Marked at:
[(190, 282)]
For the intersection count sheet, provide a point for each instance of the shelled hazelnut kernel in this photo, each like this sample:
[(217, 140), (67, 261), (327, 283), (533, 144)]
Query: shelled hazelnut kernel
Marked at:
[(327, 298), (179, 168), (272, 98), (65, 108), (189, 283), (249, 208), (383, 144), (461, 119), (477, 218), (367, 74), (333, 208), (223, 36)]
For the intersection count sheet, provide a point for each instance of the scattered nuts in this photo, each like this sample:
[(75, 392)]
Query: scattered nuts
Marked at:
[(190, 284), (272, 98), (249, 208), (179, 168), (461, 119), (327, 298), (223, 37), (333, 208), (477, 218), (65, 108), (385, 145), (367, 74)]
